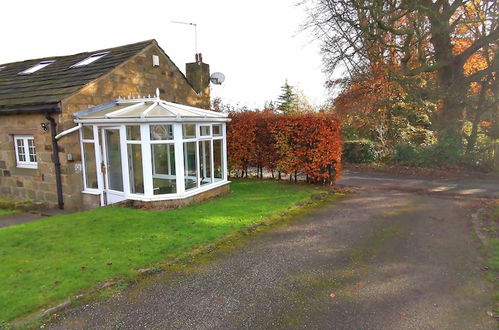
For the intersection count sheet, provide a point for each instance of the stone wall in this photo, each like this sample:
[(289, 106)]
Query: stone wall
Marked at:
[(25, 183), (136, 76), (178, 203)]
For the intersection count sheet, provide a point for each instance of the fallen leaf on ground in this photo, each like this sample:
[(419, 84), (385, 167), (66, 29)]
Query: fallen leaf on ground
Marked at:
[(107, 284), (493, 315)]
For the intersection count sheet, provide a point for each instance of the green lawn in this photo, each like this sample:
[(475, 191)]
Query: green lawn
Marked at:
[(7, 212), (491, 218), (488, 227), (46, 261)]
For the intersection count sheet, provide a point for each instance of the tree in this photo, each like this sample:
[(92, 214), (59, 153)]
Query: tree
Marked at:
[(419, 37), (287, 101), (375, 107), (218, 105), (302, 102)]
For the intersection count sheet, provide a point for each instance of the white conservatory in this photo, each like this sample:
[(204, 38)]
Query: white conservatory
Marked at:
[(147, 149)]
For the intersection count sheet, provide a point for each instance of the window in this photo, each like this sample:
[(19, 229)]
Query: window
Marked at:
[(163, 168), (205, 161), (1, 68), (218, 159), (37, 67), (25, 151), (90, 168), (89, 158), (133, 133), (190, 165), (204, 130), (189, 131), (136, 173), (90, 59), (217, 130), (161, 132), (134, 152)]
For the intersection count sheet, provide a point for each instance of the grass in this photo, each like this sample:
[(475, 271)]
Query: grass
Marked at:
[(489, 227), (7, 212), (46, 261)]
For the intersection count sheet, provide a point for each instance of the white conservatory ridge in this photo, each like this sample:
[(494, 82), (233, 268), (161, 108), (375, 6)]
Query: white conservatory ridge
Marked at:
[(147, 109), (148, 149)]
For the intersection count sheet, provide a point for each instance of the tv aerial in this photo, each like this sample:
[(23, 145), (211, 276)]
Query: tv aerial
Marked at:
[(195, 33), (217, 78)]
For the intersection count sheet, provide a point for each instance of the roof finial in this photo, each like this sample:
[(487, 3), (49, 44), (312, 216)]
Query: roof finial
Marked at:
[(157, 93)]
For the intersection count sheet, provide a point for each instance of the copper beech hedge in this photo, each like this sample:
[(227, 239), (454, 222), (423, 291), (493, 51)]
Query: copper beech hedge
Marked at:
[(305, 145)]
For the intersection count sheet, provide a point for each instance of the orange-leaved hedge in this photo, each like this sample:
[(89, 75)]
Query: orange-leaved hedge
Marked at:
[(304, 144)]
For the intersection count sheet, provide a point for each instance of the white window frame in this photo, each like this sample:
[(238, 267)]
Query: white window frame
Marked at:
[(27, 163), (91, 59), (147, 160), (98, 161), (36, 67)]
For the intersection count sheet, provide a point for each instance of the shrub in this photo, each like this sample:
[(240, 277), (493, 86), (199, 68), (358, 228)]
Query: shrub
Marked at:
[(359, 151), (407, 154), (444, 153), (307, 144)]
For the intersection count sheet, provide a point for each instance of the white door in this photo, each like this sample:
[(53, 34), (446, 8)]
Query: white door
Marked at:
[(113, 172)]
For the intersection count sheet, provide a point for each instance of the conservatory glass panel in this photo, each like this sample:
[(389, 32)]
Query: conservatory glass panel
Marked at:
[(190, 165), (135, 172), (218, 159), (113, 153), (90, 169), (133, 133), (161, 132), (217, 130), (163, 161), (88, 132), (204, 130), (205, 161), (189, 131)]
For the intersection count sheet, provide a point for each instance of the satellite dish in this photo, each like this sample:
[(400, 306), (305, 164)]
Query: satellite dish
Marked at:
[(217, 78)]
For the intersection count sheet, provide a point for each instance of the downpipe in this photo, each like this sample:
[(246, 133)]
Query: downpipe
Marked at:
[(56, 160)]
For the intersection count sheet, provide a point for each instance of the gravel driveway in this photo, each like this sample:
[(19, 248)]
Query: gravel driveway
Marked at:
[(378, 259)]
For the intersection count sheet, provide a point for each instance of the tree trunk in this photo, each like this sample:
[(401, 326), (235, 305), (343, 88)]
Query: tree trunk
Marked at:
[(448, 120)]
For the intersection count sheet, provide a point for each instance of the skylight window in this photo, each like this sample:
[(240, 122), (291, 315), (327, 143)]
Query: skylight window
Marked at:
[(90, 59), (37, 67)]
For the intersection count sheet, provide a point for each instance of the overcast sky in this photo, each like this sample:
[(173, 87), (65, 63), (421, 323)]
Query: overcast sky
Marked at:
[(256, 44)]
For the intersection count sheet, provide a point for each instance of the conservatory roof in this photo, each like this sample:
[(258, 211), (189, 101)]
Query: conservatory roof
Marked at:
[(147, 109)]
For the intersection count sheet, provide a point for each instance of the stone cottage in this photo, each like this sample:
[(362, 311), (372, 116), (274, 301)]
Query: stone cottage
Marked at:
[(39, 99)]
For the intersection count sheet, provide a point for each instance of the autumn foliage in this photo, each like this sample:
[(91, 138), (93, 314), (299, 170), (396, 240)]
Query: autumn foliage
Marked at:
[(306, 144)]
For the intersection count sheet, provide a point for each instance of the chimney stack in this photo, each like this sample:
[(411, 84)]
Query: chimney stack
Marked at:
[(198, 75)]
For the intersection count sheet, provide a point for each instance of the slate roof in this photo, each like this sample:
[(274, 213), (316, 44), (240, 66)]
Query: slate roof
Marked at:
[(53, 83)]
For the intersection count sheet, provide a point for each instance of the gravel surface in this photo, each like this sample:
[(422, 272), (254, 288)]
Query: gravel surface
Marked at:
[(464, 187), (18, 218), (375, 260)]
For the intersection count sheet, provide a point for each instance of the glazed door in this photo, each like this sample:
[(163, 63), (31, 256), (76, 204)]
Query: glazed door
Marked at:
[(113, 169)]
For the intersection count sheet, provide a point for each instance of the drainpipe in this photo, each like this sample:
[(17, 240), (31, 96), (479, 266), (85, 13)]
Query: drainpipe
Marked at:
[(56, 160)]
